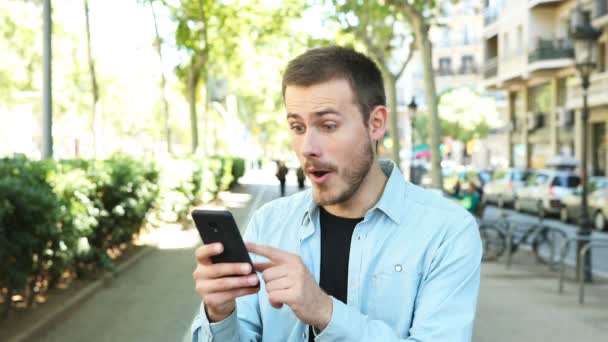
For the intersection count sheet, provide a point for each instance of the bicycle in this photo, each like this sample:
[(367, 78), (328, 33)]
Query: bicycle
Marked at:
[(542, 239)]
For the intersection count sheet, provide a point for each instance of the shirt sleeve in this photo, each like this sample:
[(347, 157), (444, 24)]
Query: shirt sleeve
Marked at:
[(445, 304), (244, 324)]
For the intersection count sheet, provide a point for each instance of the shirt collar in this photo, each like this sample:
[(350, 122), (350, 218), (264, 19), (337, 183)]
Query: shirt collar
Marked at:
[(391, 202), (388, 203)]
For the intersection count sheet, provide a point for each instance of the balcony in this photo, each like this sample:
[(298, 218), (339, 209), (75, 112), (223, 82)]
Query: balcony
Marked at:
[(551, 54), (597, 91), (462, 71), (542, 3), (600, 13), (548, 49), (444, 72), (490, 68), (490, 16)]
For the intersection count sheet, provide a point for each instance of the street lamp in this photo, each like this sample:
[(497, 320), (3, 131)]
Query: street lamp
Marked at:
[(412, 107), (585, 37)]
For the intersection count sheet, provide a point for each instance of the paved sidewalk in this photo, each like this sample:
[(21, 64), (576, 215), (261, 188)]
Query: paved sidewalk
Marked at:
[(522, 304)]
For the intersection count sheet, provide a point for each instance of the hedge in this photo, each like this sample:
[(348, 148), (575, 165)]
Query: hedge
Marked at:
[(66, 217)]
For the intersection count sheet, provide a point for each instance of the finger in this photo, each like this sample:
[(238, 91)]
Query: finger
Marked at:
[(205, 252), (279, 297), (263, 266), (276, 305), (219, 298), (226, 284), (274, 254), (214, 271), (279, 284), (274, 273)]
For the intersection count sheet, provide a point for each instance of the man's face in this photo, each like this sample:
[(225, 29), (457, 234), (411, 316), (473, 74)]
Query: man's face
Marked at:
[(330, 139)]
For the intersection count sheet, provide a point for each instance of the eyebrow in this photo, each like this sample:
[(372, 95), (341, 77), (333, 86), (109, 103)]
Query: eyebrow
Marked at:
[(318, 113)]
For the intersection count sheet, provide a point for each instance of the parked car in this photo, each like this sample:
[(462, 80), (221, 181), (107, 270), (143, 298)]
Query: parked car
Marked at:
[(503, 186), (598, 207), (571, 203), (544, 190)]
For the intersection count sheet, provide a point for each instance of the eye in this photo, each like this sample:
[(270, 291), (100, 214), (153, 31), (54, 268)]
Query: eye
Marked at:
[(297, 128), (329, 127)]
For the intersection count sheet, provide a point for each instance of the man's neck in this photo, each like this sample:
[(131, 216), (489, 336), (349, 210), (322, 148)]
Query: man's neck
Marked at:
[(366, 197)]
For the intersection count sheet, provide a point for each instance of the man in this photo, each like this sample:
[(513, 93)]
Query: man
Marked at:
[(362, 255), (281, 174)]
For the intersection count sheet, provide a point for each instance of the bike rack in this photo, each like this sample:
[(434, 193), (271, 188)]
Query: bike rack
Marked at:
[(537, 228), (581, 270), (562, 262)]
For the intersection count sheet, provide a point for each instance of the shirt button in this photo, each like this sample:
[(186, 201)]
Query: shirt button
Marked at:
[(398, 268)]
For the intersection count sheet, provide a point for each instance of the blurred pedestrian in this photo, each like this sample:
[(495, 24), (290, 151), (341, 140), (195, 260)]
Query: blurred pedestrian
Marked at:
[(456, 188), (301, 177), (470, 199), (282, 171)]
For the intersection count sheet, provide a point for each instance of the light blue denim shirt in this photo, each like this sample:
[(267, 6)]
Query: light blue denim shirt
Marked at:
[(413, 272)]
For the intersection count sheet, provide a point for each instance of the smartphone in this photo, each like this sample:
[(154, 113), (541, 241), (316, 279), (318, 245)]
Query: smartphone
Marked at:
[(219, 226)]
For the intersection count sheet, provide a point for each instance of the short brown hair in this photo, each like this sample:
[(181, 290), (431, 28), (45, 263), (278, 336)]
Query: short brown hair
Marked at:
[(334, 62)]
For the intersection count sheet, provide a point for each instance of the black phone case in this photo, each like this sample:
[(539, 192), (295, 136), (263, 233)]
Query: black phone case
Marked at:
[(219, 226)]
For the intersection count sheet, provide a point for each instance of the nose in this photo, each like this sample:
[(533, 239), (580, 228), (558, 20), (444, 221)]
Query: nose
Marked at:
[(311, 147)]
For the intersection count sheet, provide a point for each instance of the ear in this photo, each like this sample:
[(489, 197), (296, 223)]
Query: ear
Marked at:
[(377, 122)]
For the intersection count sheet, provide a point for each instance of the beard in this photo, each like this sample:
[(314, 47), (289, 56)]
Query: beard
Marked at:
[(348, 180)]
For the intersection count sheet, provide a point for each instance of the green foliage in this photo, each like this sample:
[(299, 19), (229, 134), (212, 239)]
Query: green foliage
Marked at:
[(21, 57), (29, 212), (67, 215), (126, 191), (238, 169), (465, 114)]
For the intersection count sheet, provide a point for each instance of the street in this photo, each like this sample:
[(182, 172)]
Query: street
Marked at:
[(155, 299)]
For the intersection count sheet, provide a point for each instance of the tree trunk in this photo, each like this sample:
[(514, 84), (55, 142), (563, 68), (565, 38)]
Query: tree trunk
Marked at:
[(96, 123), (393, 117), (426, 49), (193, 79), (163, 83)]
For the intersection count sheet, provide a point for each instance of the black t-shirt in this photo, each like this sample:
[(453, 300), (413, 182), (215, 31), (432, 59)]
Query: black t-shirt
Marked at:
[(336, 234)]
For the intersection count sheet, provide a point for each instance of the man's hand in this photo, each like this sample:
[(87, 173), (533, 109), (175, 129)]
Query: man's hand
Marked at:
[(289, 282), (219, 284)]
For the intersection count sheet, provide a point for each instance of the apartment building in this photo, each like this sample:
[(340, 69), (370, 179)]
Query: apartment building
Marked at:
[(458, 52), (529, 55)]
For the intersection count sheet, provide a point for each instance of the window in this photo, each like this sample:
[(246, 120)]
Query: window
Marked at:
[(467, 65), (520, 176), (602, 58), (445, 65), (520, 38), (445, 37), (566, 181), (467, 7), (467, 35)]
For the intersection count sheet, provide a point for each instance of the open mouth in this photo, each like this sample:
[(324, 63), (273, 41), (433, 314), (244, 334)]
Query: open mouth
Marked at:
[(319, 177), (319, 173)]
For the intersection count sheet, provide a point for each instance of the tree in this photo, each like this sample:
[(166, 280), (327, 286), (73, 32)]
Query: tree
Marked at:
[(465, 114), (163, 81), (95, 114), (420, 15), (212, 34), (378, 29)]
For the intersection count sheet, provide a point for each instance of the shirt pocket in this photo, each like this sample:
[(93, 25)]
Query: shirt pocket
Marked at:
[(393, 295)]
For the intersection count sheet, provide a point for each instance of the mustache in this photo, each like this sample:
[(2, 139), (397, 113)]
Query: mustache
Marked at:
[(319, 165)]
